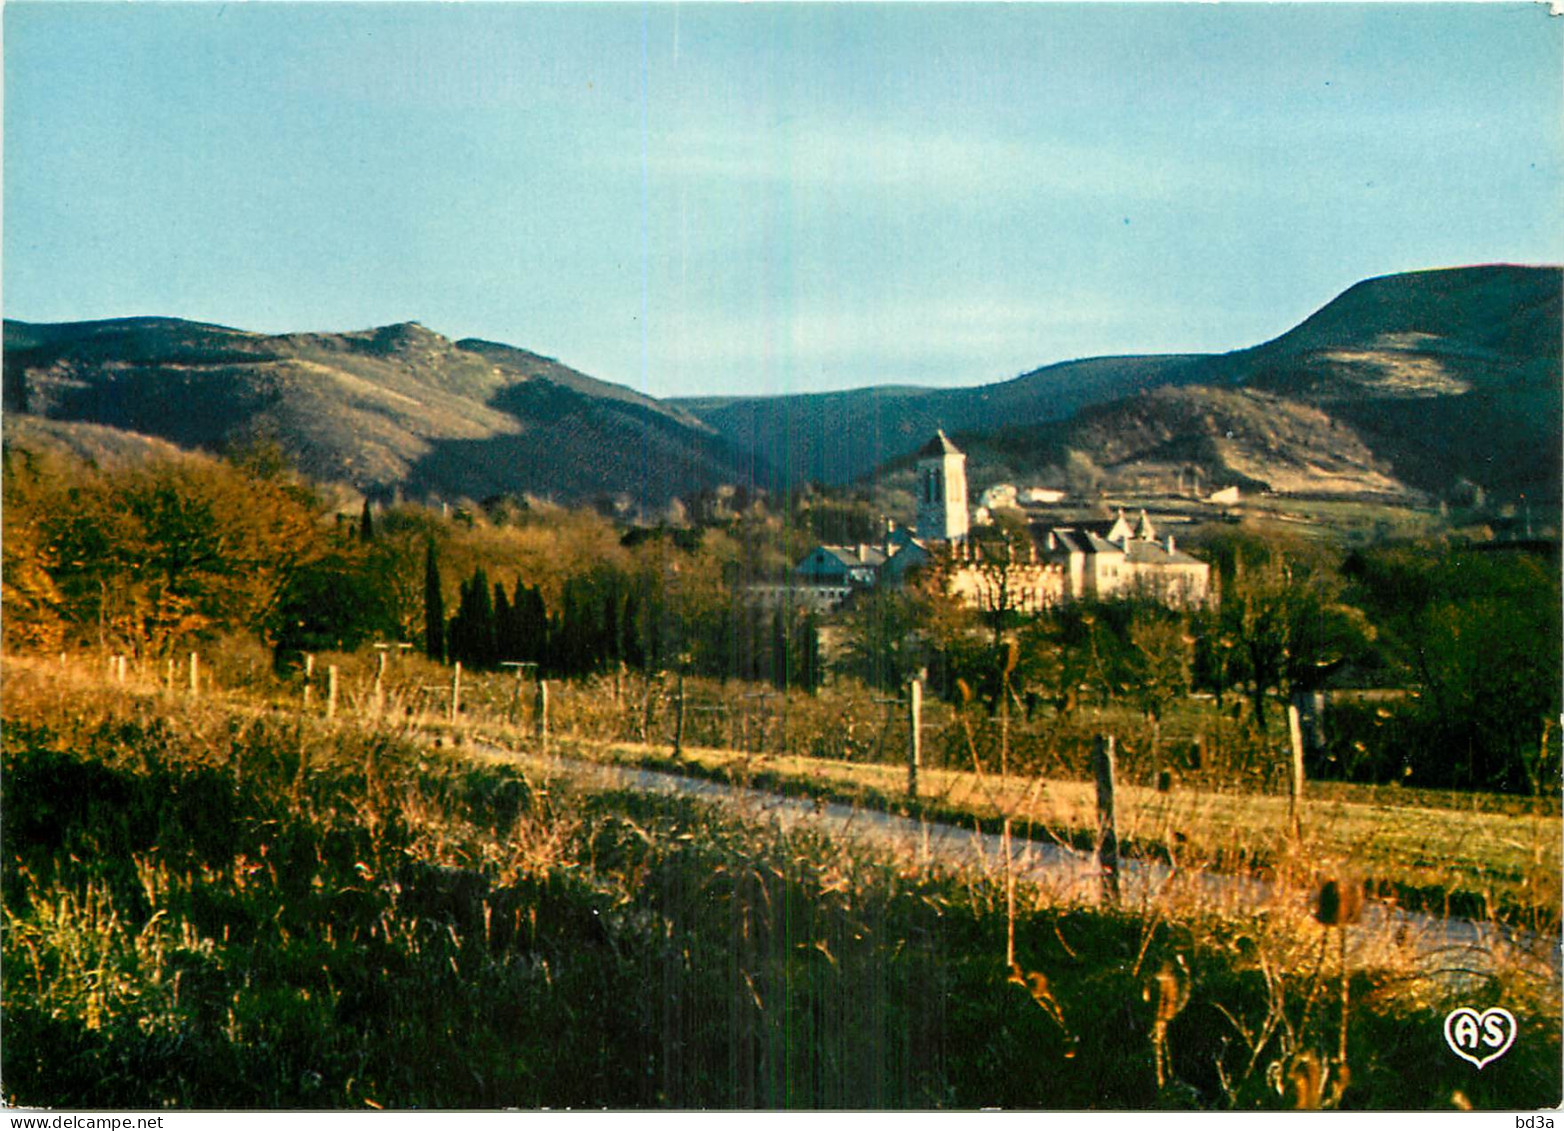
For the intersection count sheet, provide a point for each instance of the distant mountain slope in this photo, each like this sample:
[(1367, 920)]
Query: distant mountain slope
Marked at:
[(396, 408), (1156, 440), (1491, 312), (1423, 379), (1445, 374), (109, 448), (838, 437)]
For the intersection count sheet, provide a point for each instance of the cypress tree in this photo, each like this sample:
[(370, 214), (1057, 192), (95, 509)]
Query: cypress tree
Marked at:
[(566, 642), (808, 671), (611, 648), (366, 525), (504, 623), (531, 623), (483, 636), (631, 629), (434, 607), (472, 635)]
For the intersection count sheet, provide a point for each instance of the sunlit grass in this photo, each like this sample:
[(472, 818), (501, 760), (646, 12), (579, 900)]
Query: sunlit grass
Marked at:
[(220, 903)]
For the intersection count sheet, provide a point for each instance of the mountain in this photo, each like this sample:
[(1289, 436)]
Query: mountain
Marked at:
[(1401, 385), (1160, 438), (1445, 374), (838, 437), (399, 408)]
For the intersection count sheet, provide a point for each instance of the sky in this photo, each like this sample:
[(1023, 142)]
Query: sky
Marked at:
[(757, 199)]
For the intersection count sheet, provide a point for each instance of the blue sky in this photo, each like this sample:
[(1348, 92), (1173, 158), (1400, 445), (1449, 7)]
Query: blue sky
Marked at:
[(708, 198)]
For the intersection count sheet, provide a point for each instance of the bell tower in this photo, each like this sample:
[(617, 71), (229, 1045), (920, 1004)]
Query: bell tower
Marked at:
[(942, 491)]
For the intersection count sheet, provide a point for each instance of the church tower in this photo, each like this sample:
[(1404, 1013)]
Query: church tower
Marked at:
[(942, 491)]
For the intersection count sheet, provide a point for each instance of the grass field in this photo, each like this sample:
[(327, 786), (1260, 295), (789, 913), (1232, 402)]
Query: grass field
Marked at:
[(225, 903), (1435, 859)]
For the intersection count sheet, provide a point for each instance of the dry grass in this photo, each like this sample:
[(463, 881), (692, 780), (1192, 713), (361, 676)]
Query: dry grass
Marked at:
[(1479, 862), (1460, 857), (220, 903)]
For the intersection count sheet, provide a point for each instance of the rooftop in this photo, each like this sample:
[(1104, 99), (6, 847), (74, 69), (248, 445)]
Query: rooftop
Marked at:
[(940, 445)]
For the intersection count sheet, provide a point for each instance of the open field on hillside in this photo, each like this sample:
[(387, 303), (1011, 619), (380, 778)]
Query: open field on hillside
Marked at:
[(227, 903)]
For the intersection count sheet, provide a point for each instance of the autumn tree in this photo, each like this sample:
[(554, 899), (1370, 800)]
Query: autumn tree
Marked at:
[(1289, 618), (34, 605), (154, 555)]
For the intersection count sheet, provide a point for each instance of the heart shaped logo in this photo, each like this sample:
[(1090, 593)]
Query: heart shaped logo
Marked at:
[(1479, 1037)]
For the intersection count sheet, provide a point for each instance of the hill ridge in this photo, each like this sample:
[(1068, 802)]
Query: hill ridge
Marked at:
[(1430, 378)]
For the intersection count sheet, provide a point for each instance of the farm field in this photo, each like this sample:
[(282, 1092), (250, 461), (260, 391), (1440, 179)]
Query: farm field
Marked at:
[(1444, 860), (229, 903)]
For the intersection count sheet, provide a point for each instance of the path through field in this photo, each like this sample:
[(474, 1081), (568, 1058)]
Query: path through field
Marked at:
[(1461, 949)]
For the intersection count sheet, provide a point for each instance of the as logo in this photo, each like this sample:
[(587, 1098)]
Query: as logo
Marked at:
[(1479, 1037)]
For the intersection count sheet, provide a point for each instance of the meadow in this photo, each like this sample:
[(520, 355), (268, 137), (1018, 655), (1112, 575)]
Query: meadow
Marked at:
[(227, 900), (1222, 804)]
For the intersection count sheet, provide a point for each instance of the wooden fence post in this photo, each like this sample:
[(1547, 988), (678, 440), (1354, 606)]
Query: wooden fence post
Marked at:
[(168, 681), (515, 697), (678, 718), (380, 682), (1295, 771), (914, 734), (1107, 827), (331, 691), (456, 690), (542, 712), (195, 675)]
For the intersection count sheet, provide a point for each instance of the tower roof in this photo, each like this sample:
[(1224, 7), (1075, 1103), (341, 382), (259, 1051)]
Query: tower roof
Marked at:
[(940, 445)]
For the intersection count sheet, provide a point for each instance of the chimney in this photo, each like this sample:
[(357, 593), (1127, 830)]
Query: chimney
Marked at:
[(1170, 543), (863, 552)]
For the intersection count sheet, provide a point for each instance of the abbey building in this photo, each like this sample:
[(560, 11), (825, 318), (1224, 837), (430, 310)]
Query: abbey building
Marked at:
[(1045, 566)]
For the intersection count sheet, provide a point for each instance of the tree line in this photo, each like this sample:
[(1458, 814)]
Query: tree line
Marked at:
[(607, 619), (153, 558), (1461, 642)]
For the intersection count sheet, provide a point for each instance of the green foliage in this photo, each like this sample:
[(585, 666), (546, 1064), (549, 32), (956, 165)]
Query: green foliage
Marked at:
[(884, 641), (835, 520), (1284, 623), (336, 603), (472, 636), (1476, 634), (1163, 654), (231, 912)]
